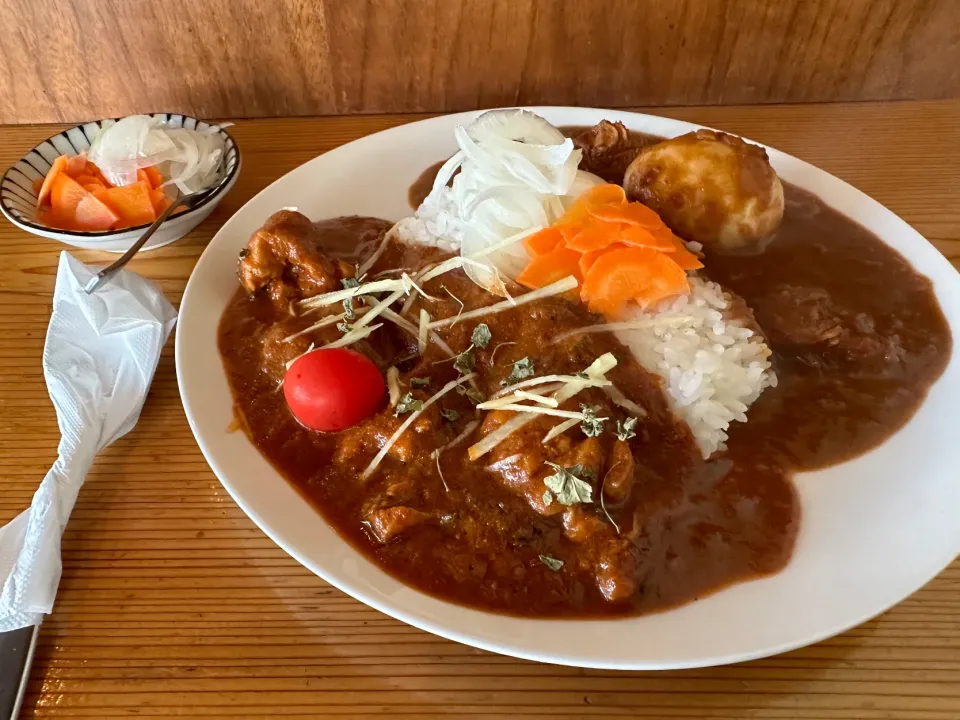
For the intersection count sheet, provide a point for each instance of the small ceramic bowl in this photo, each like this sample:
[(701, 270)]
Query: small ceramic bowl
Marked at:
[(18, 200)]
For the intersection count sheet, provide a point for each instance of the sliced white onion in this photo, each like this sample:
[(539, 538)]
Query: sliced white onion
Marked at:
[(517, 173), (515, 124), (190, 157)]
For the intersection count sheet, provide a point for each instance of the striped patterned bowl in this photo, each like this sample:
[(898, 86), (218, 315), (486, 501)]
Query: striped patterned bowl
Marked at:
[(18, 199)]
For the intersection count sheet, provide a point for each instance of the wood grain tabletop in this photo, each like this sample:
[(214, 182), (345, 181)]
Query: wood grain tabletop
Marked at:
[(174, 604)]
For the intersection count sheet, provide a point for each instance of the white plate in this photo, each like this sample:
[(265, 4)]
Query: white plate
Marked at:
[(873, 530)]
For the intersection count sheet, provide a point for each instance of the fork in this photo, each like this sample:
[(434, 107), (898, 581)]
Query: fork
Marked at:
[(190, 200)]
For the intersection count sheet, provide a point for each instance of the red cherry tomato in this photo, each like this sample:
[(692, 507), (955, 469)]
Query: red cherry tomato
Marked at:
[(330, 390)]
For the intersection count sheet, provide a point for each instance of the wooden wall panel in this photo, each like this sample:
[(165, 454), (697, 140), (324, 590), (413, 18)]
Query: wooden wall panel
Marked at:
[(79, 59)]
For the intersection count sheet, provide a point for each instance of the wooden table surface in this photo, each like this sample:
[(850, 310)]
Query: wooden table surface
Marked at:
[(173, 603)]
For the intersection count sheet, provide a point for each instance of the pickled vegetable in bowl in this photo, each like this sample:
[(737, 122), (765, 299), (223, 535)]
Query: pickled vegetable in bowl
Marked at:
[(133, 171)]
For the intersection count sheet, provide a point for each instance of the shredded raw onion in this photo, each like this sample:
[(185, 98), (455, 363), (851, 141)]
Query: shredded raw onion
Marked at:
[(489, 442), (493, 355), (409, 285), (400, 322), (440, 343), (445, 267), (520, 396)]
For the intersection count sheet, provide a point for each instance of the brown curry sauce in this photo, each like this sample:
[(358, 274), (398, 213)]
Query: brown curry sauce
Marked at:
[(693, 526)]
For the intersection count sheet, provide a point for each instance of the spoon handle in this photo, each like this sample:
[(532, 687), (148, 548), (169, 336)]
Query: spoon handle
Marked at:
[(102, 276)]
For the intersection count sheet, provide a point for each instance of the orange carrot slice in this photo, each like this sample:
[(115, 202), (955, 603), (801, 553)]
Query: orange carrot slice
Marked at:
[(681, 256), (602, 195), (570, 231), (599, 195), (589, 258), (595, 236), (65, 194), (575, 217), (131, 203), (540, 243), (554, 265), (638, 236), (76, 165), (93, 187), (160, 200), (85, 177), (58, 165), (633, 213), (633, 273), (151, 175), (91, 214)]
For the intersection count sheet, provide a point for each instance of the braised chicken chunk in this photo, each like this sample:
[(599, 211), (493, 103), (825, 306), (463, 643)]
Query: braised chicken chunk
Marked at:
[(608, 149), (812, 320), (290, 256)]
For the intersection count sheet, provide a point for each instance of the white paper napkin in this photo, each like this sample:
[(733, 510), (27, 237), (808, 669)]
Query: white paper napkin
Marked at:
[(98, 360)]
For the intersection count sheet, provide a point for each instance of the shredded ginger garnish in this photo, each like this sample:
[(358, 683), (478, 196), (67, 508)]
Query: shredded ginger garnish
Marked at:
[(573, 384), (409, 421)]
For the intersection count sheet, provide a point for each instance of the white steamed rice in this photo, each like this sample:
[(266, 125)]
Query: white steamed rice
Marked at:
[(713, 366), (435, 223)]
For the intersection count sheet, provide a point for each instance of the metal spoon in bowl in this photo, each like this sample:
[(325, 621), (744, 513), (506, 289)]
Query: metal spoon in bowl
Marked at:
[(190, 200)]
